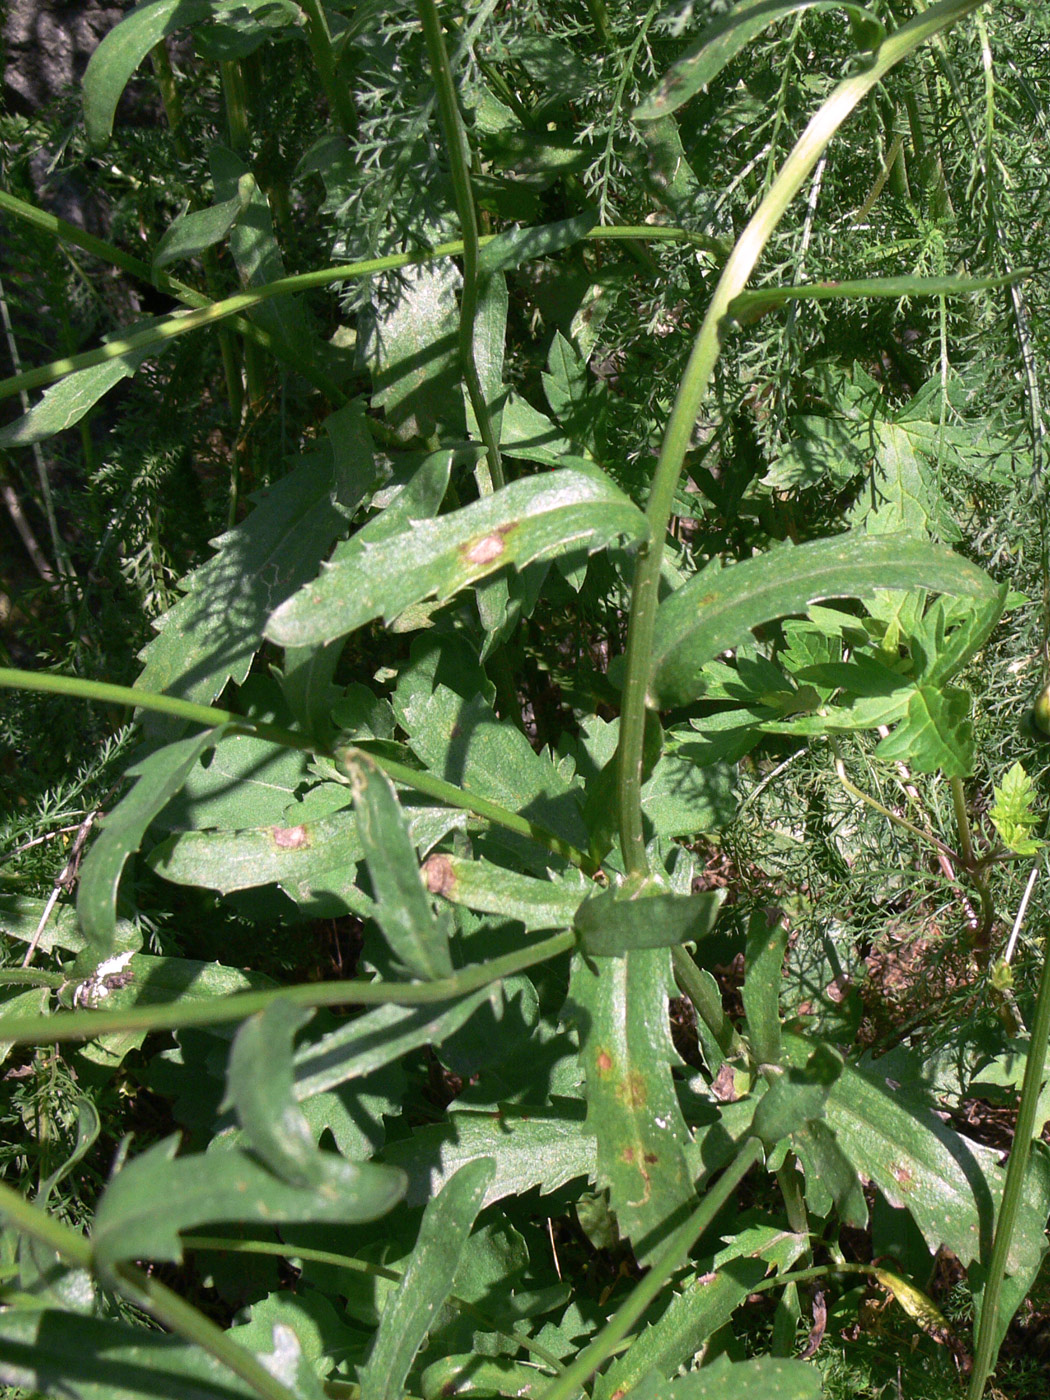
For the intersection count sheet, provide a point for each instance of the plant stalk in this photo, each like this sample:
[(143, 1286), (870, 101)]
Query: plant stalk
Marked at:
[(988, 1330), (674, 1254), (695, 381), (459, 166)]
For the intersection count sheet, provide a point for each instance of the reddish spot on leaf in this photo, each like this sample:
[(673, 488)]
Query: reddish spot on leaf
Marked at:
[(290, 838), (604, 1062), (627, 1155), (631, 1090), (488, 547), (438, 875), (901, 1175)]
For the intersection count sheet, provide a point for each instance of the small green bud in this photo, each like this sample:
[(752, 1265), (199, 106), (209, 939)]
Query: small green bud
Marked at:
[(1041, 712)]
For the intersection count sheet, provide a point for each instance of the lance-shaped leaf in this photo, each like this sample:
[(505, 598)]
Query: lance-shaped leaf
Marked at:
[(212, 634), (796, 1097), (403, 912), (488, 888), (704, 1305), (762, 1378), (157, 1194), (378, 1038), (267, 855), (412, 1308), (192, 232), (260, 1088), (749, 306), (609, 927), (632, 1105), (121, 52), (535, 517), (66, 402), (725, 36), (950, 1184), (764, 966), (717, 609), (158, 778), (48, 1352)]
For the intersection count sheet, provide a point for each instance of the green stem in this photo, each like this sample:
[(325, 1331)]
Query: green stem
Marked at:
[(459, 166), (210, 715), (205, 313), (146, 1292), (31, 977), (989, 1330), (319, 37), (86, 1025), (890, 815), (169, 96), (980, 936), (693, 388), (671, 1258), (702, 992)]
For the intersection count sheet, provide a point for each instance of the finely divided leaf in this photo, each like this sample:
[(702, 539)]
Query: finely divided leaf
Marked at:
[(717, 609), (412, 1308), (532, 518)]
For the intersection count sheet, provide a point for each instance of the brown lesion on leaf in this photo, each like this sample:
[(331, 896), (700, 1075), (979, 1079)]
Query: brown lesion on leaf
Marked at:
[(439, 876), (603, 1061), (901, 1175), (486, 548), (631, 1090), (290, 838)]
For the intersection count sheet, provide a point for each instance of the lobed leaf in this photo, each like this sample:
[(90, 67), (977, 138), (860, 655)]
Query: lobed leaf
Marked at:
[(532, 518), (212, 634)]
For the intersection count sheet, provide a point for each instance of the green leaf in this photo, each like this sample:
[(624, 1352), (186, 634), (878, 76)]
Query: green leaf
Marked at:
[(269, 855), (1012, 812), (403, 910), (48, 1352), (532, 518), (632, 1105), (413, 350), (65, 403), (681, 798), (157, 1194), (533, 1147), (611, 926), (411, 1310), (470, 1375), (520, 245), (702, 1306), (465, 743), (724, 38), (260, 1088), (377, 1038), (490, 889), (245, 781), (948, 1183), (763, 1378), (749, 306), (796, 1096), (158, 779), (764, 966), (490, 335), (20, 918), (936, 734), (191, 233), (717, 609), (212, 634), (123, 49)]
